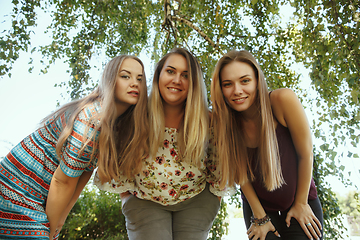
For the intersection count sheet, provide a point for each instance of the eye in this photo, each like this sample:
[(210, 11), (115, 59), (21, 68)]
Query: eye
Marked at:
[(226, 84), (125, 76), (170, 71), (139, 79), (246, 80), (185, 75)]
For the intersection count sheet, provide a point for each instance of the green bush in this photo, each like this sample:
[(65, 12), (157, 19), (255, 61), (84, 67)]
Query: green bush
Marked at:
[(350, 204), (96, 215), (220, 226)]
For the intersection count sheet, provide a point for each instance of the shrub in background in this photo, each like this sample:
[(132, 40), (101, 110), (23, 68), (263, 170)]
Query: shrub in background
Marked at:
[(96, 215)]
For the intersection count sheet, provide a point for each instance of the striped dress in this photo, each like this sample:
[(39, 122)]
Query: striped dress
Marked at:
[(26, 173)]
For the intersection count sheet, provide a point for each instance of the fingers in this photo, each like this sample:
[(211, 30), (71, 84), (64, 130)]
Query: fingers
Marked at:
[(251, 229), (317, 227), (288, 218), (55, 233), (312, 230), (307, 220), (276, 233), (124, 195), (250, 232), (256, 232), (318, 223)]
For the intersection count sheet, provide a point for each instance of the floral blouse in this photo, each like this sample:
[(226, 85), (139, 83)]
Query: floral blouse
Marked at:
[(166, 180)]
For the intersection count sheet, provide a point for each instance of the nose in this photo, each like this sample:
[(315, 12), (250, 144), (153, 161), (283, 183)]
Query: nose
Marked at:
[(176, 79), (135, 82), (238, 89)]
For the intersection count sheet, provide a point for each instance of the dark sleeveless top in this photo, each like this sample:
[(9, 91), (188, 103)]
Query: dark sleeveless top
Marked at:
[(282, 198)]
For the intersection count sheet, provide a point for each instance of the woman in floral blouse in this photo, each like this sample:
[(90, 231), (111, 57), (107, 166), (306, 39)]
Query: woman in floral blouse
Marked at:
[(176, 194)]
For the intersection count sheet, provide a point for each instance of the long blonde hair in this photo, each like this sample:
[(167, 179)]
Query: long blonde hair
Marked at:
[(193, 131), (123, 140), (230, 140)]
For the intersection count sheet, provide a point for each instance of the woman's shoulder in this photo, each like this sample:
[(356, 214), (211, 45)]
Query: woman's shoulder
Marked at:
[(282, 94), (282, 100), (90, 110), (282, 97)]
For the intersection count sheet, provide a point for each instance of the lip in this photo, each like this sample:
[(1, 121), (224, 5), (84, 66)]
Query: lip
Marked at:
[(134, 93), (239, 100), (174, 89)]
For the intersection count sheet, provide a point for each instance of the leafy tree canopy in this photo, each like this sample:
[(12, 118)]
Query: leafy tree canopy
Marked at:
[(350, 204), (323, 35)]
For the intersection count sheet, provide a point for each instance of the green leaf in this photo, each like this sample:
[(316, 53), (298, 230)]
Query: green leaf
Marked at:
[(324, 147)]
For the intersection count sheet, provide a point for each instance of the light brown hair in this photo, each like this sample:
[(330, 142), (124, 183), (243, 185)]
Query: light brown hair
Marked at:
[(123, 140), (235, 164)]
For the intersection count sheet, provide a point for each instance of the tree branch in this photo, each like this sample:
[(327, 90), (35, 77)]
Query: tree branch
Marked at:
[(191, 25), (167, 13)]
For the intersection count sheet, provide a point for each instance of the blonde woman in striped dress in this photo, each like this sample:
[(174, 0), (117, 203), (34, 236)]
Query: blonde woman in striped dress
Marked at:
[(42, 177)]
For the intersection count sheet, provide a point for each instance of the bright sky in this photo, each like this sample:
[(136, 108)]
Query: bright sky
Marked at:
[(26, 98)]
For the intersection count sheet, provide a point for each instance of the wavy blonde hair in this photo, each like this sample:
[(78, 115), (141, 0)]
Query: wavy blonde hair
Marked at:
[(123, 140), (230, 140), (193, 131)]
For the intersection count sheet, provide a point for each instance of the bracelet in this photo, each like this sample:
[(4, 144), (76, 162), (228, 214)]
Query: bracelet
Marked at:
[(261, 221)]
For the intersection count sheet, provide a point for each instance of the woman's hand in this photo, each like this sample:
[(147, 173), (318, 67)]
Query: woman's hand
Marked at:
[(306, 218), (256, 232), (124, 197), (57, 230)]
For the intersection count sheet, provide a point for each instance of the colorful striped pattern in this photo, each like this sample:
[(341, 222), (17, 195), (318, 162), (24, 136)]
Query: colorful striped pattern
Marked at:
[(26, 173)]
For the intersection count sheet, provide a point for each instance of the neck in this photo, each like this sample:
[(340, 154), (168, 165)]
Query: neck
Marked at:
[(251, 124), (120, 109), (252, 114), (173, 116)]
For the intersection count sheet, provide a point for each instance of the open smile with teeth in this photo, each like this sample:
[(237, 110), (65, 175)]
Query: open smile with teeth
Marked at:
[(174, 89), (240, 100)]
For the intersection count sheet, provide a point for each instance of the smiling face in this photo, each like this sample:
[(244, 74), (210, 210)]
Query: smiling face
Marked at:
[(127, 88), (239, 85), (174, 81)]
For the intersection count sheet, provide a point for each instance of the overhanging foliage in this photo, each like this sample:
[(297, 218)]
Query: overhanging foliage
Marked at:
[(322, 35)]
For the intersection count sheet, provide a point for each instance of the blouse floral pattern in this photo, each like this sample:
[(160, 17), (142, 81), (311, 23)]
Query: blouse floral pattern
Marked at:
[(167, 180)]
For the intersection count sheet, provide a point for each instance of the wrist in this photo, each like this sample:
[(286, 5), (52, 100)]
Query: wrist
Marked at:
[(301, 198), (300, 202), (260, 221), (259, 215)]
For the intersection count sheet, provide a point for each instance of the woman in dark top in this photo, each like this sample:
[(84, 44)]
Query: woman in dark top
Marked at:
[(264, 143)]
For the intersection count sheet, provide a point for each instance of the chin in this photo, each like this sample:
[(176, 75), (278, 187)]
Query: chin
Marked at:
[(132, 102), (240, 109)]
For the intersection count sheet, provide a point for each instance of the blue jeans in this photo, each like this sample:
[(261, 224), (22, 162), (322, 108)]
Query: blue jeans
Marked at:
[(294, 232)]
